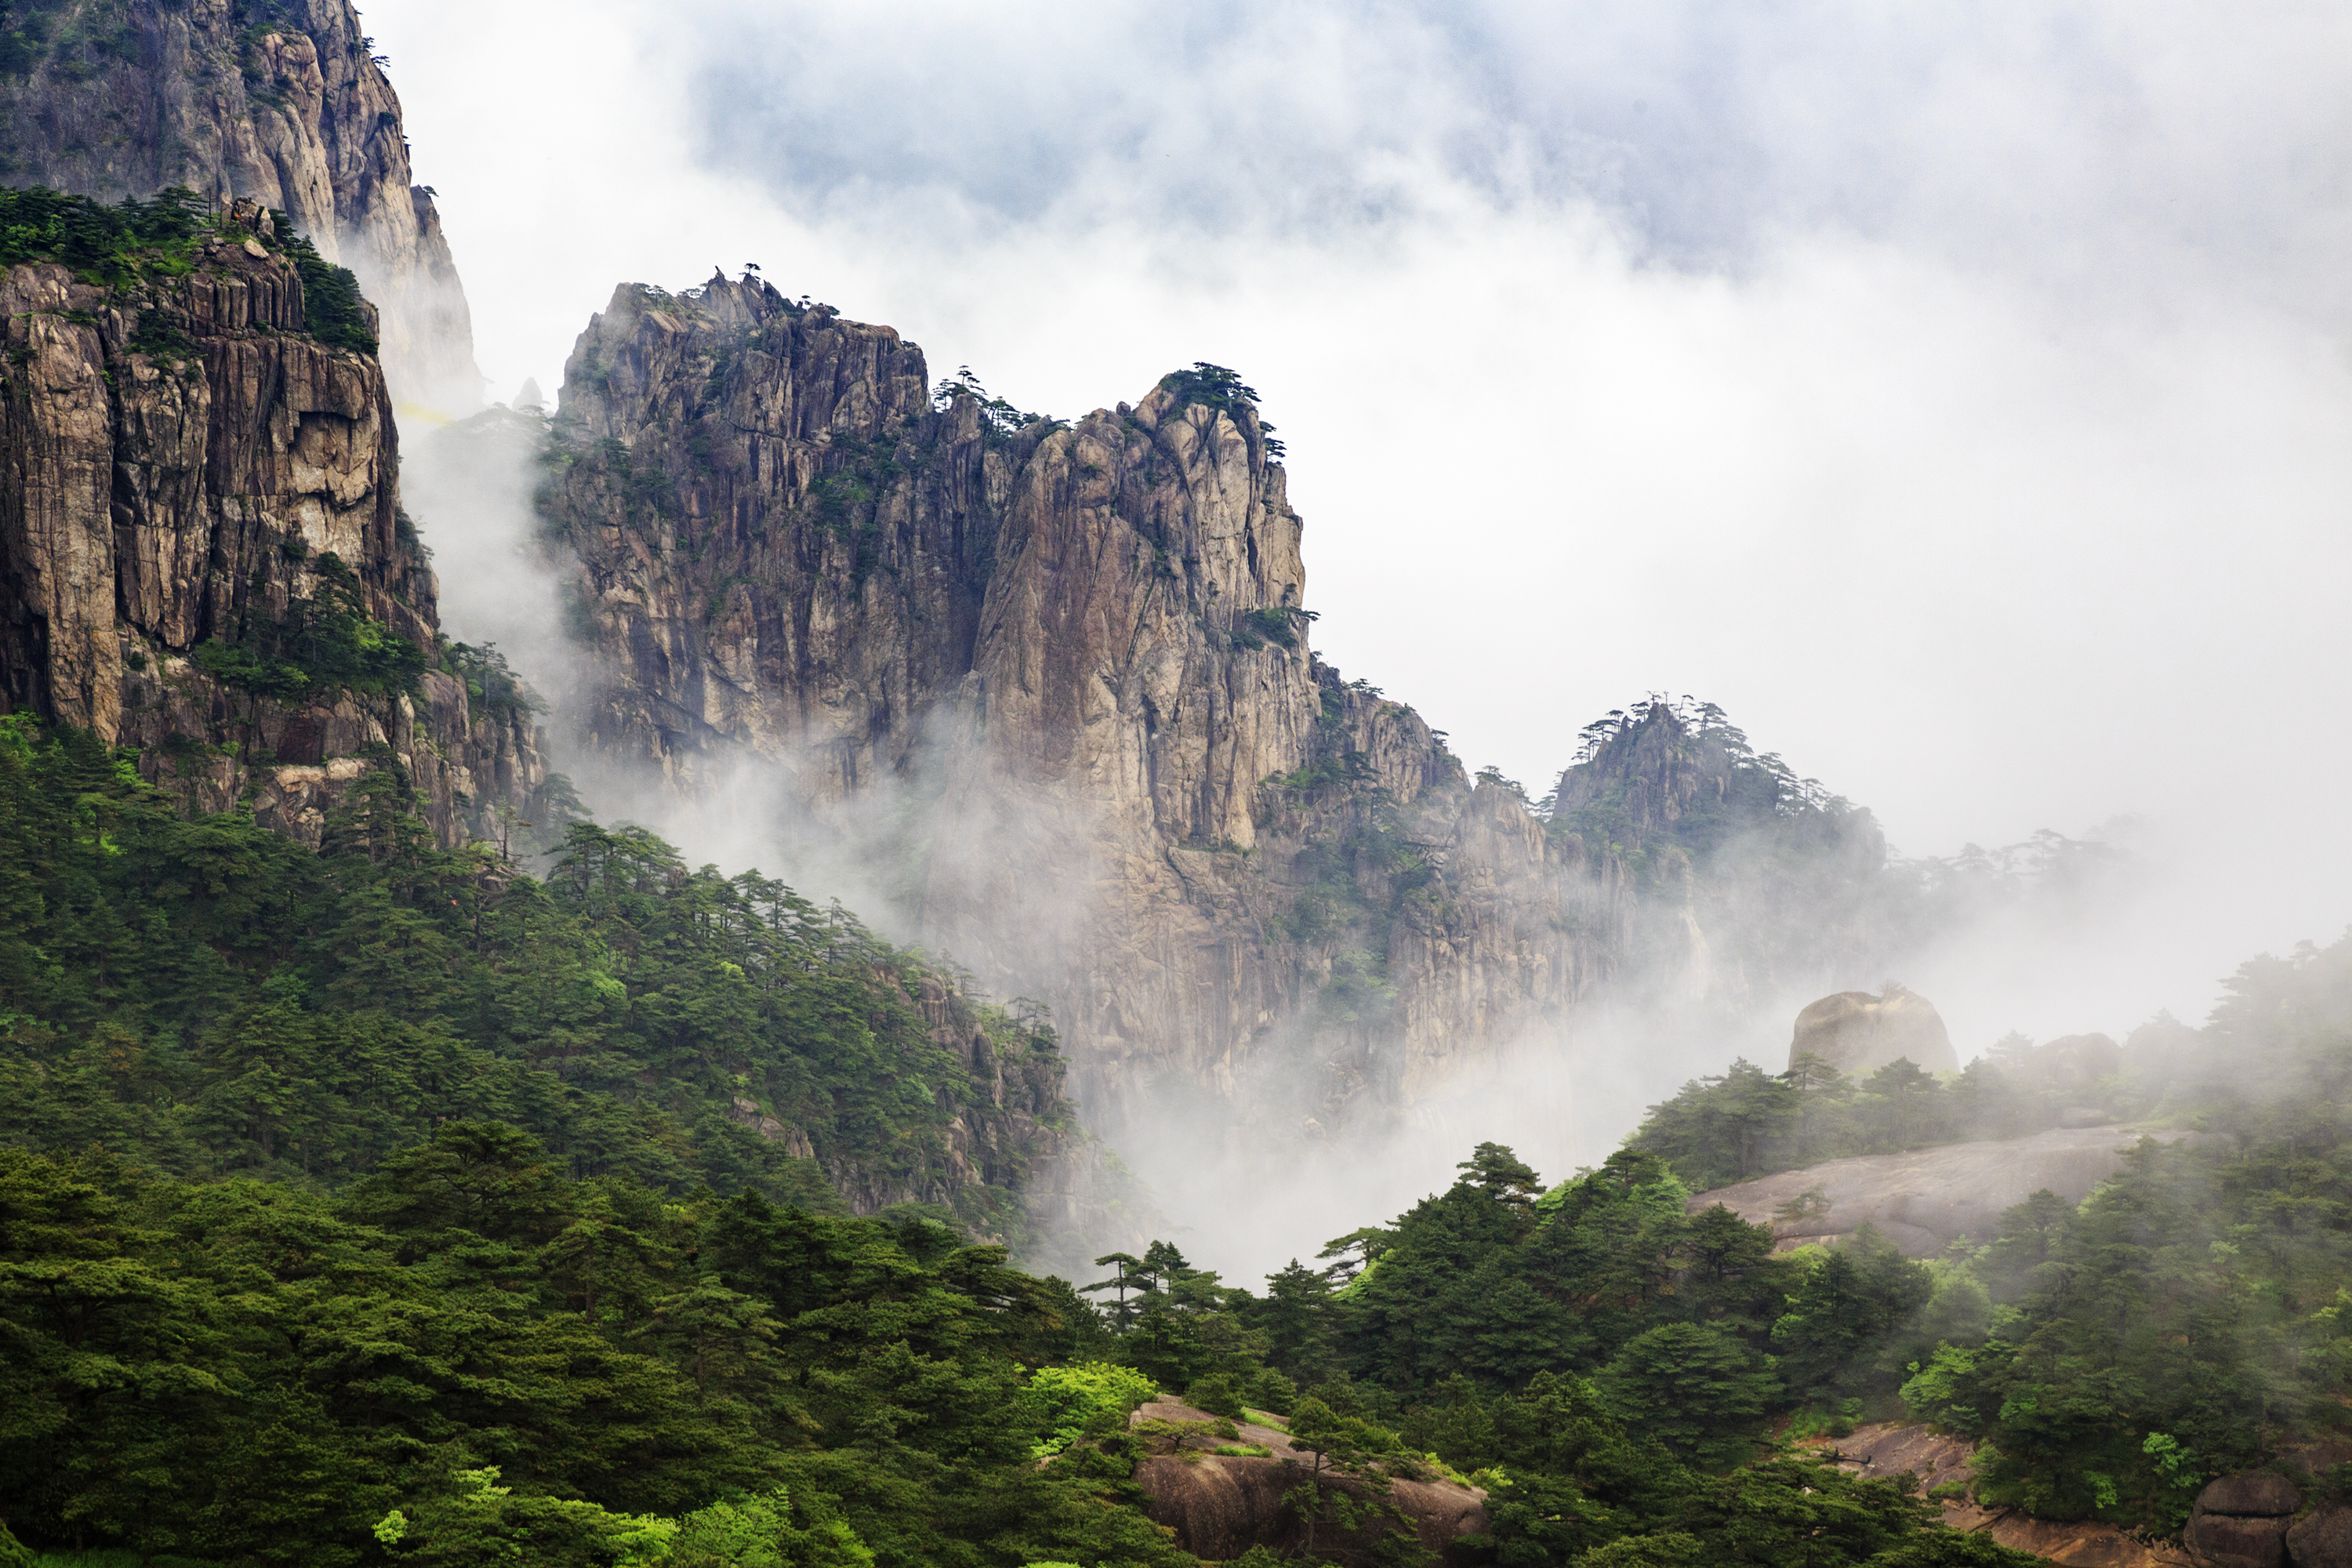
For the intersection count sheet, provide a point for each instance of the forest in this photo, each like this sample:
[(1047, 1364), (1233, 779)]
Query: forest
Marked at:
[(386, 1203), (223, 1002)]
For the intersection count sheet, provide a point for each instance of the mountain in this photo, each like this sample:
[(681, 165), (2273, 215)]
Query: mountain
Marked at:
[(202, 553), (1055, 679), (282, 102)]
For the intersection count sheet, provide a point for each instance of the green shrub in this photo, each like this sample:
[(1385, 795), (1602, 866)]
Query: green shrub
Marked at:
[(327, 642), (102, 243), (1064, 1403), (333, 308), (1217, 1394)]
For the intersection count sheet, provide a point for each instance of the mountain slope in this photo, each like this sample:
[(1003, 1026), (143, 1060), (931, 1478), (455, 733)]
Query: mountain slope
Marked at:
[(1056, 675)]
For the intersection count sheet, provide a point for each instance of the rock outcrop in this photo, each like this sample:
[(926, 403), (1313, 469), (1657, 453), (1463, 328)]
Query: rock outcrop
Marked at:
[(284, 104), (2322, 1538), (2240, 1521), (1222, 1506), (1857, 1033), (182, 469), (1941, 1461), (2244, 1521), (1926, 1199), (1060, 675)]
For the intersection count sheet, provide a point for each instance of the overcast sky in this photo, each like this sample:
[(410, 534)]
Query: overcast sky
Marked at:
[(1958, 395)]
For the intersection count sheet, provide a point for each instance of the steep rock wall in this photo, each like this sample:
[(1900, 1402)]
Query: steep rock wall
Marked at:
[(1074, 658), (281, 101), (155, 500)]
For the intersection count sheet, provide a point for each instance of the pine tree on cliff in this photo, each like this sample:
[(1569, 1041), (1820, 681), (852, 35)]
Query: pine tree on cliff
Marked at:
[(1128, 1273), (1296, 1318), (1340, 1446)]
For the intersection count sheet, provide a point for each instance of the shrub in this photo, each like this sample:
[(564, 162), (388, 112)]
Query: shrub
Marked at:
[(1064, 1403), (1217, 1394)]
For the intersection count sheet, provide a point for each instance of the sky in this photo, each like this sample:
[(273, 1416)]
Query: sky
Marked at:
[(1959, 396)]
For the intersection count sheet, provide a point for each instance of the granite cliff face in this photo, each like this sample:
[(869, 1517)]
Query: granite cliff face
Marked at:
[(1074, 659), (281, 101), (184, 474)]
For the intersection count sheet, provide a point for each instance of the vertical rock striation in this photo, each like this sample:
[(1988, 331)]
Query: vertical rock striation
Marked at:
[(281, 101), (184, 474), (1073, 660)]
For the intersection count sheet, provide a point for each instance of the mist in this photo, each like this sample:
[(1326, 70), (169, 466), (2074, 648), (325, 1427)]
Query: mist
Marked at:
[(1958, 400)]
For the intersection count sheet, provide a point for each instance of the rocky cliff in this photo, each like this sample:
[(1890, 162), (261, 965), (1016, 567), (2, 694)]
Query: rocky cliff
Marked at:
[(1073, 659), (1048, 685), (282, 102), (1750, 882), (202, 550)]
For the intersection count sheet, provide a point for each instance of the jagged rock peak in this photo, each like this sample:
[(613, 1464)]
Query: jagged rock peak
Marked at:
[(1681, 771), (283, 101)]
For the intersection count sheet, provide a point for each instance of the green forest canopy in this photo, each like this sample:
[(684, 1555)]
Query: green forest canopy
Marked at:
[(384, 1204)]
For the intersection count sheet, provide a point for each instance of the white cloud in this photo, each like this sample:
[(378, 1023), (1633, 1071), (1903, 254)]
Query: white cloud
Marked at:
[(1958, 395)]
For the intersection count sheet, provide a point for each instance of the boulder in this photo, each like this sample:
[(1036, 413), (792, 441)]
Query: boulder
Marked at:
[(1222, 1507), (1887, 1449), (2322, 1538), (2229, 1540), (1857, 1033), (1219, 1506), (2087, 1543), (2257, 1493)]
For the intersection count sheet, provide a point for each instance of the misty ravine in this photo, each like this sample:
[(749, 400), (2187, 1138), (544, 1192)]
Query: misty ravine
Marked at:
[(784, 963)]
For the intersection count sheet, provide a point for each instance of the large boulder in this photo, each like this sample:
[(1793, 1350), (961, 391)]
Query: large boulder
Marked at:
[(2322, 1538), (1857, 1033), (2229, 1540), (2256, 1493), (2242, 1521)]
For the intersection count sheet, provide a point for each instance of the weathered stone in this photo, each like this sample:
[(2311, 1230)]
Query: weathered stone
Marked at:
[(2322, 1538), (1890, 1447), (1885, 1449), (2086, 1543), (1222, 1506), (149, 502), (2254, 1492), (1857, 1033), (2229, 1540), (1077, 654), (1057, 679), (1925, 1199), (295, 115)]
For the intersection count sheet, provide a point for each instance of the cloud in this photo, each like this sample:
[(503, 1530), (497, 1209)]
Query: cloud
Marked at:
[(2070, 143), (1958, 395)]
